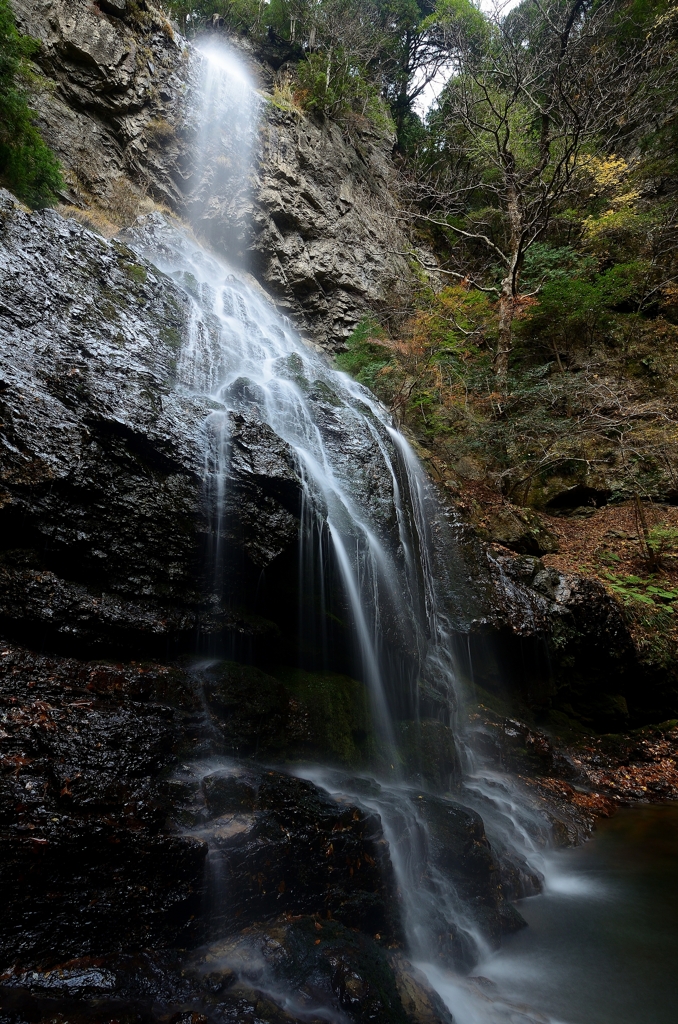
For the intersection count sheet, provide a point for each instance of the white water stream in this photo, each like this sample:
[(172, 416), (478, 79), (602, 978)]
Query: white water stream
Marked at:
[(368, 511)]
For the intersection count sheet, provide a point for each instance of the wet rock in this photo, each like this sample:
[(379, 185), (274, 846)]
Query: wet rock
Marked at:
[(318, 217), (293, 715), (250, 708), (102, 512), (511, 745), (87, 863), (460, 850), (323, 968), (262, 508), (422, 1004), (520, 530), (594, 676), (428, 752), (279, 844)]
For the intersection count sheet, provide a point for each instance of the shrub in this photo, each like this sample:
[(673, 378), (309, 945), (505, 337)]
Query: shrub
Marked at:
[(27, 165), (334, 84), (366, 354)]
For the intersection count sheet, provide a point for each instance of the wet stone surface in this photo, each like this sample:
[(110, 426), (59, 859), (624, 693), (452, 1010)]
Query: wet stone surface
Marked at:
[(279, 844), (115, 847), (103, 519), (88, 865)]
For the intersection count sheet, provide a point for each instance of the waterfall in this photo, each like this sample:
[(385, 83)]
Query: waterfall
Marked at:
[(371, 531)]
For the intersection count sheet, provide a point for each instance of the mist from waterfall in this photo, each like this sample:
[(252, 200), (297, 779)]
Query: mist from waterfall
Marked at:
[(371, 528)]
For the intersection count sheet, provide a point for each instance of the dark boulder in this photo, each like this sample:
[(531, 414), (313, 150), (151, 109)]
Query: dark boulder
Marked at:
[(279, 844), (458, 849), (324, 967), (292, 714)]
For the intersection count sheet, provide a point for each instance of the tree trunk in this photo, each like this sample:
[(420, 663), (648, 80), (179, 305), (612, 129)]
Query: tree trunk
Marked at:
[(509, 289), (505, 339), (401, 104), (329, 70)]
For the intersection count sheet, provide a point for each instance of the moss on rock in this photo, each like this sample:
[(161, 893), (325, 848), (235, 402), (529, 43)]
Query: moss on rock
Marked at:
[(292, 715), (338, 714), (428, 752)]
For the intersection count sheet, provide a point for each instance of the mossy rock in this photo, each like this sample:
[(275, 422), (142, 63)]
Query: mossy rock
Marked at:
[(338, 715), (292, 715), (428, 753), (520, 530), (250, 709)]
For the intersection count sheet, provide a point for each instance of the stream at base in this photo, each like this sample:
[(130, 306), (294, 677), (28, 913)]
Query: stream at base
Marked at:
[(602, 941)]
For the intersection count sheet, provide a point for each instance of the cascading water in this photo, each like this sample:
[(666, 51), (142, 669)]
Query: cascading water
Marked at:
[(371, 538)]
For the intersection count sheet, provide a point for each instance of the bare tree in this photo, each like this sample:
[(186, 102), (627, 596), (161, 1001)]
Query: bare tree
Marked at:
[(532, 95)]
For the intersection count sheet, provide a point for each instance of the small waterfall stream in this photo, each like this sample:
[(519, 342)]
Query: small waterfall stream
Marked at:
[(371, 530)]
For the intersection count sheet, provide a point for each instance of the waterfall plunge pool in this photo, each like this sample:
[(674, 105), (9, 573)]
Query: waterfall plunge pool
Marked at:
[(602, 941)]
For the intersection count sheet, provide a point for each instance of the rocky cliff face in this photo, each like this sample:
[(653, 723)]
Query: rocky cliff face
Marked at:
[(102, 461), (105, 528), (316, 219), (115, 851)]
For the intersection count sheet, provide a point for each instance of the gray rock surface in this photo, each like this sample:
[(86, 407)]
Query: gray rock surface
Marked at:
[(316, 219), (103, 514)]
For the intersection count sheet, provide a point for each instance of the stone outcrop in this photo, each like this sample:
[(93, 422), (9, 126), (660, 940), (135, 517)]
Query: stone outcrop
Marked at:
[(87, 864), (568, 651), (279, 845), (326, 237), (104, 519), (106, 528), (316, 219)]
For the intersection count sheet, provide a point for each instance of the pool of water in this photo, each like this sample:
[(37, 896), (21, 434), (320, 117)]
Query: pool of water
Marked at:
[(602, 942)]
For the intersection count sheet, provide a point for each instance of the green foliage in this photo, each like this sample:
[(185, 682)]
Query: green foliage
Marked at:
[(461, 14), (366, 353), (27, 165), (663, 541), (643, 590), (545, 262), (351, 56), (334, 84), (582, 309), (239, 15)]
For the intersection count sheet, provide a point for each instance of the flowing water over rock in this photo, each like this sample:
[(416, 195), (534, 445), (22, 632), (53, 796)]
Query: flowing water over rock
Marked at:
[(378, 573), (182, 469)]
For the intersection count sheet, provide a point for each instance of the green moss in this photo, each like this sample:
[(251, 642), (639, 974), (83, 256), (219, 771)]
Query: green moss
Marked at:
[(135, 272), (338, 714), (322, 392), (288, 714), (366, 354), (427, 752), (171, 336), (292, 367)]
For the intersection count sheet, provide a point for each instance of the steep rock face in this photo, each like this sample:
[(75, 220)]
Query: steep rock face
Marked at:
[(326, 237), (571, 652), (106, 78), (279, 845), (315, 219), (103, 510)]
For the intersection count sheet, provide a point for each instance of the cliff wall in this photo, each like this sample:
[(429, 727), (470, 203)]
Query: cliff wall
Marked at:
[(316, 219)]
